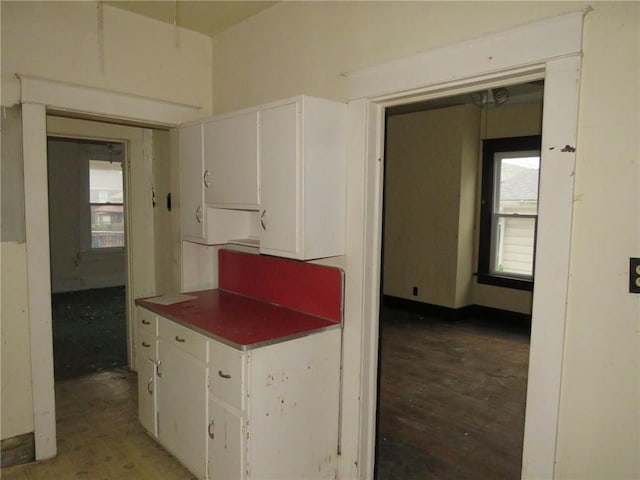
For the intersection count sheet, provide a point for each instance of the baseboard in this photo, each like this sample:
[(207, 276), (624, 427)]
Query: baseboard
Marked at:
[(18, 449), (469, 311)]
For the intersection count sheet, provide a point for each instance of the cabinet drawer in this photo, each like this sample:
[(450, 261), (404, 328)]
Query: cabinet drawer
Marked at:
[(146, 322), (183, 338), (147, 345), (227, 374)]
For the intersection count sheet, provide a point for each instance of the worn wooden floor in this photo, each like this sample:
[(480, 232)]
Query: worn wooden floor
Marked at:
[(452, 398), (99, 437), (451, 407)]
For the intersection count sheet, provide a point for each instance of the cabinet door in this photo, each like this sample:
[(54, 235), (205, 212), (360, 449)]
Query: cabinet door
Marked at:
[(280, 173), (231, 161), (146, 394), (225, 443), (192, 194), (182, 406)]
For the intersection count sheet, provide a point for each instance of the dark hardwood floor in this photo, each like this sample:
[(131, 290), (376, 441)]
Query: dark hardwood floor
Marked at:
[(452, 397)]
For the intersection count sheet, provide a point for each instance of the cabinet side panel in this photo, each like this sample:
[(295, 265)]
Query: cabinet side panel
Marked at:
[(293, 408), (325, 151), (191, 194)]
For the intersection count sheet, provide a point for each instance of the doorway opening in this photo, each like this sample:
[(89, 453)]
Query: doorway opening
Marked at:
[(454, 340), (87, 219)]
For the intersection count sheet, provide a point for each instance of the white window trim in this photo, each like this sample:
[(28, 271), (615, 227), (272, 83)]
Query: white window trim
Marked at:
[(549, 49)]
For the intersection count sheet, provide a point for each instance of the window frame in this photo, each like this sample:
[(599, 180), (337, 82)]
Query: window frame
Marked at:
[(85, 156), (487, 204)]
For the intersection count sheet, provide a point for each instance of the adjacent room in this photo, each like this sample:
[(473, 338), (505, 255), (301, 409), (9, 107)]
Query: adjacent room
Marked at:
[(88, 263), (461, 184)]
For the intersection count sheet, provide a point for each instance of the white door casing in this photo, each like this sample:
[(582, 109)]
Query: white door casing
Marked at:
[(37, 97), (549, 49)]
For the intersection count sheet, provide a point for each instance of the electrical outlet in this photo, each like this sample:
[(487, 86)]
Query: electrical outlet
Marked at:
[(415, 291), (634, 275)]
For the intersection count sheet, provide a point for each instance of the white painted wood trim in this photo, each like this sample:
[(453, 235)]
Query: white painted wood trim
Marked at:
[(511, 49), (70, 97), (39, 278), (552, 46), (38, 95), (553, 243)]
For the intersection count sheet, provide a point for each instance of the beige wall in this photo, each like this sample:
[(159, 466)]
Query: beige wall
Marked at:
[(431, 171), (59, 41), (429, 153), (305, 47)]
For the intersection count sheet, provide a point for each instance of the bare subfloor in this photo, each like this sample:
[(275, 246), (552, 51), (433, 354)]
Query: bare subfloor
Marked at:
[(99, 436), (452, 398)]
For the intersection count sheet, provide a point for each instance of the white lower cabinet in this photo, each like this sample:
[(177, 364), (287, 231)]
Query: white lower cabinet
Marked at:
[(146, 357), (182, 396), (226, 442), (269, 413), (274, 410), (146, 394)]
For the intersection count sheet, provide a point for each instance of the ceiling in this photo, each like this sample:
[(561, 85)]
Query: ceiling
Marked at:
[(208, 17), (517, 93)]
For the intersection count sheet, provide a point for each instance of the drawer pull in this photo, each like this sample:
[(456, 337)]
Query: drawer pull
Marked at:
[(210, 430), (146, 322), (145, 345), (150, 386), (224, 375), (180, 339)]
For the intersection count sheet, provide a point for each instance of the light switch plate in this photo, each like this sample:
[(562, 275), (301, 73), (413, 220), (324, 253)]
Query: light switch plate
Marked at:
[(634, 275)]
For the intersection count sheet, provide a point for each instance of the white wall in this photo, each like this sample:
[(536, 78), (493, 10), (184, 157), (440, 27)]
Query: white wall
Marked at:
[(300, 47), (59, 41)]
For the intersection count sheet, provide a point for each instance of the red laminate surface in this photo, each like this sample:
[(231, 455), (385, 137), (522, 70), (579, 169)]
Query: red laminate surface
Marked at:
[(302, 286), (239, 321)]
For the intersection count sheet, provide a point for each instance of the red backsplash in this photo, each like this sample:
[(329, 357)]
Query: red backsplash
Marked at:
[(304, 287)]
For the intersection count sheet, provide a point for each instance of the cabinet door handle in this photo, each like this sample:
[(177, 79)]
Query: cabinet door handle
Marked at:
[(206, 178), (145, 344), (158, 372), (150, 386), (199, 214), (224, 375), (146, 322), (210, 430), (180, 339), (262, 220)]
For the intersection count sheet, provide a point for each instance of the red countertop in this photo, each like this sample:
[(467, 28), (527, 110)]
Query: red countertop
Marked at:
[(238, 321)]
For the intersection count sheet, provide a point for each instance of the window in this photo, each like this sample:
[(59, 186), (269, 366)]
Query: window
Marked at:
[(106, 204), (509, 211)]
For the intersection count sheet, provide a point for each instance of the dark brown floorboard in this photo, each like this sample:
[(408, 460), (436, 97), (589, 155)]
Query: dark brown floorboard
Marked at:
[(452, 397), (89, 331)]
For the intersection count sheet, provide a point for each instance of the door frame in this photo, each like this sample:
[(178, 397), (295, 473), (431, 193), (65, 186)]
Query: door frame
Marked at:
[(38, 97), (549, 49)]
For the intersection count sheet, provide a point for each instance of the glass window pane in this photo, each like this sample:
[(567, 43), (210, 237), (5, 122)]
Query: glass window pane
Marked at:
[(107, 226), (513, 244), (517, 180), (105, 182)]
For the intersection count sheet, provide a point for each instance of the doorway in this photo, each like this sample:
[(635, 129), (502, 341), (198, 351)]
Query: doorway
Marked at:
[(453, 352), (87, 213)]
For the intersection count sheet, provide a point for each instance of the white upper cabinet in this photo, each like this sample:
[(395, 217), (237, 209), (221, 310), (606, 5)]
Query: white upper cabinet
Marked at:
[(302, 149), (202, 224), (277, 171), (231, 161), (192, 196)]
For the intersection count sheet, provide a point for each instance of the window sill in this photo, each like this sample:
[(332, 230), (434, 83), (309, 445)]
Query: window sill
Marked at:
[(506, 282)]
